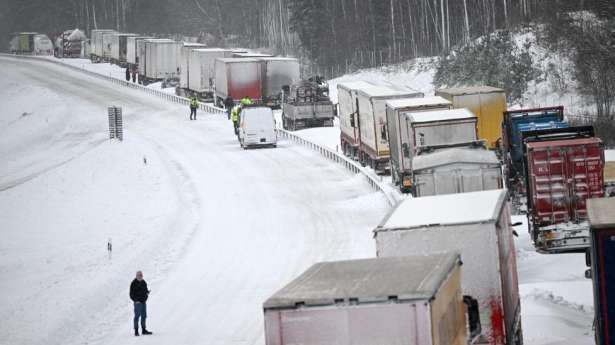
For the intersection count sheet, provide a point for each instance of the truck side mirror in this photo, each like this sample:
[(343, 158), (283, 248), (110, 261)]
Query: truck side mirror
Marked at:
[(473, 316), (406, 150)]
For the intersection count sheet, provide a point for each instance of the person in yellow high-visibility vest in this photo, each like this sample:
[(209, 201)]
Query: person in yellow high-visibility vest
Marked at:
[(246, 101), (235, 118), (194, 105)]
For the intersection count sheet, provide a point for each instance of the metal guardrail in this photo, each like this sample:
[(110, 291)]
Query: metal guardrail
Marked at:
[(153, 92), (326, 152), (350, 165)]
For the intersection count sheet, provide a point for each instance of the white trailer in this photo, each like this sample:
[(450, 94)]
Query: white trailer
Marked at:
[(96, 44), (161, 60), (456, 170), (107, 39), (238, 78), (478, 226), (347, 112), (373, 135), (396, 301), (184, 62), (132, 49), (398, 134), (119, 48), (278, 72), (202, 71)]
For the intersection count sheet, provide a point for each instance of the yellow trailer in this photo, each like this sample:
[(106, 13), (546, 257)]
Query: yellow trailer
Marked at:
[(486, 102)]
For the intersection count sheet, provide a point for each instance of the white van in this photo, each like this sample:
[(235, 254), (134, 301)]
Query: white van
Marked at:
[(257, 127)]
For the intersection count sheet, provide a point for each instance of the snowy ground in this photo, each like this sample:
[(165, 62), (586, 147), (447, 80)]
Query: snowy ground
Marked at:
[(216, 229)]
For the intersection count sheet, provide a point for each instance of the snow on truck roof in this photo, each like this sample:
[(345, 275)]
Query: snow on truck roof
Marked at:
[(448, 209), (416, 102), (453, 156), (469, 90), (232, 60), (383, 91), (368, 280), (440, 115), (354, 85), (601, 213)]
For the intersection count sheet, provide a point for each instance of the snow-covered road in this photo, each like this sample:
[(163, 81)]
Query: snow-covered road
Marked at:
[(216, 229)]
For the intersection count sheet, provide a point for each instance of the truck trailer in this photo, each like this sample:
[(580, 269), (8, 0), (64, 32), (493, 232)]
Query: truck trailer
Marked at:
[(563, 169), (31, 43), (184, 65), (398, 134), (238, 78), (306, 104), (396, 300), (161, 61), (202, 73), (456, 170), (601, 214), (478, 226), (96, 44), (348, 114), (107, 39), (119, 48), (487, 103), (277, 73), (132, 55), (373, 134)]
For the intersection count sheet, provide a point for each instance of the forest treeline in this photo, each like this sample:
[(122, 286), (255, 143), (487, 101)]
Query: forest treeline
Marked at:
[(334, 35)]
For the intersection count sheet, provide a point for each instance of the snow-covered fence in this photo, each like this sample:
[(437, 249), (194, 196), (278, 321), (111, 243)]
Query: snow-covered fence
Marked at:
[(350, 165), (153, 92)]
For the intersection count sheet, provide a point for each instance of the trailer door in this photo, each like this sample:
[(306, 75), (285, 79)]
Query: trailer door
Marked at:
[(585, 175), (549, 180)]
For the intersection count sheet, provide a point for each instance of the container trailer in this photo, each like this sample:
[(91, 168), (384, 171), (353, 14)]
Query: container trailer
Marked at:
[(132, 56), (478, 226), (398, 134), (184, 64), (96, 44), (107, 39), (601, 214), (277, 73), (373, 135), (609, 176), (489, 105), (202, 73), (456, 170), (161, 61), (563, 169), (348, 107), (238, 78), (119, 48), (396, 300)]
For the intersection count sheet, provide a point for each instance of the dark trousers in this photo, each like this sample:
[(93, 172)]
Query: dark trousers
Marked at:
[(236, 127), (192, 113), (140, 312)]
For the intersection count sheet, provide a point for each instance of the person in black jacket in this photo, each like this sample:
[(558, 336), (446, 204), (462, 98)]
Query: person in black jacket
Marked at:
[(138, 295)]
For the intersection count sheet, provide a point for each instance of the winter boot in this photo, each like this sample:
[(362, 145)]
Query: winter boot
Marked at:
[(145, 332), (136, 332)]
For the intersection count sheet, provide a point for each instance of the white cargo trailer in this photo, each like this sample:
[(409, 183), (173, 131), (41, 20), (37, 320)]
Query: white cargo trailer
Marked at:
[(374, 141), (119, 48), (456, 170), (396, 301), (184, 62), (398, 134), (132, 49), (96, 44), (202, 71), (161, 60), (278, 72), (347, 113), (107, 39), (478, 226), (238, 78)]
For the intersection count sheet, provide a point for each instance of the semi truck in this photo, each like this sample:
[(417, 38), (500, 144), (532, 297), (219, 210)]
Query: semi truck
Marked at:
[(601, 259), (96, 44), (373, 135), (161, 61), (396, 300), (563, 169), (238, 78), (201, 71), (306, 104), (184, 65), (278, 72), (456, 170), (132, 55), (398, 134), (476, 225), (347, 112), (487, 103)]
